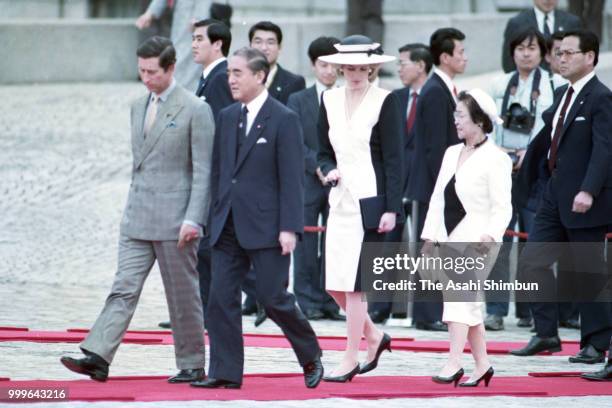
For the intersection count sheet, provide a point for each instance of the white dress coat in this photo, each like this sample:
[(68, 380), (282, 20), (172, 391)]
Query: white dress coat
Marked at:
[(350, 139), (483, 184)]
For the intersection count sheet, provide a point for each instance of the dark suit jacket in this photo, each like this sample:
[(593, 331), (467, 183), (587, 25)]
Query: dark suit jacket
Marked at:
[(284, 84), (434, 131), (564, 21), (403, 96), (584, 156), (216, 91), (263, 184), (306, 105)]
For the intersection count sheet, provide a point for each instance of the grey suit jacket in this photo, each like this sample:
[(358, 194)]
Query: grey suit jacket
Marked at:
[(171, 167)]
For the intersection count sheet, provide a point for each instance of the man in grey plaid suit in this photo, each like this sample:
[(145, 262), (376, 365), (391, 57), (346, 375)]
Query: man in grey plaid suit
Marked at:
[(168, 202)]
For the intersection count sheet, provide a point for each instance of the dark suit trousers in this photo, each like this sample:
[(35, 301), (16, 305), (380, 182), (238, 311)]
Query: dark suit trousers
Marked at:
[(427, 306), (535, 264), (204, 271), (308, 283), (230, 263)]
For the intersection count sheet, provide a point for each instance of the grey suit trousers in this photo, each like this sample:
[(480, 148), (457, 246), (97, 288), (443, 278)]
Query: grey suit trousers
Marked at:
[(180, 279)]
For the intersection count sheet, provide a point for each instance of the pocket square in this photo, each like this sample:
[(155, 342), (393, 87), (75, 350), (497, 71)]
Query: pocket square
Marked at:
[(261, 140), (579, 118)]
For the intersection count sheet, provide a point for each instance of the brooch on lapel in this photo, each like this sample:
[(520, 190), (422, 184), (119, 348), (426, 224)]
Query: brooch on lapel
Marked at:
[(171, 125)]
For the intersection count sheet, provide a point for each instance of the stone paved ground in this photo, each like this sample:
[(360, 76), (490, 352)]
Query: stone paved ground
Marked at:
[(64, 174)]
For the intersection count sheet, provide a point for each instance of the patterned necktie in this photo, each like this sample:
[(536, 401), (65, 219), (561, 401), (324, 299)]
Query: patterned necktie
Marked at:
[(554, 146), (412, 113), (151, 113)]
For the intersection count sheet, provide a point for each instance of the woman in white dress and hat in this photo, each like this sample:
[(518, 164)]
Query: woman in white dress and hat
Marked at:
[(471, 203), (360, 154)]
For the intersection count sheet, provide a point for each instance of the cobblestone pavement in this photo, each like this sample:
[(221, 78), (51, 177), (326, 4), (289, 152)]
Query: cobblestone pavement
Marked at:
[(64, 173)]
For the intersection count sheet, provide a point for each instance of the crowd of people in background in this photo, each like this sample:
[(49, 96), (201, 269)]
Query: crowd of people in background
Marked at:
[(529, 151)]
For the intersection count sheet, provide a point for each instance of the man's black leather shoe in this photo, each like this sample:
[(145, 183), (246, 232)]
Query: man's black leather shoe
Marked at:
[(313, 373), (570, 324), (92, 365), (537, 345), (215, 383), (189, 375), (604, 374), (314, 314), (165, 325), (261, 315), (379, 316), (588, 355), (334, 315), (431, 326)]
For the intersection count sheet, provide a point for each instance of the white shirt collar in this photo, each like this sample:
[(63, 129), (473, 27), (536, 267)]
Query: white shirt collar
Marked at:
[(164, 95), (540, 19), (254, 107), (271, 75), (579, 84), (212, 66), (447, 80), (320, 89)]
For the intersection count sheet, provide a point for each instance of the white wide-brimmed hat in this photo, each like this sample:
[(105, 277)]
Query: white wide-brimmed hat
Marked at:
[(357, 50), (487, 104)]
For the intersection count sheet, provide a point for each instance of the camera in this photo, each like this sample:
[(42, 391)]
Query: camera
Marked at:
[(518, 119)]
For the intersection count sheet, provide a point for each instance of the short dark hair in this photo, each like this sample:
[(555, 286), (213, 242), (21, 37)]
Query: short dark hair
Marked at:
[(266, 26), (588, 41), (477, 115), (443, 41), (530, 33), (419, 52), (158, 46), (556, 36), (217, 30), (256, 60), (321, 47)]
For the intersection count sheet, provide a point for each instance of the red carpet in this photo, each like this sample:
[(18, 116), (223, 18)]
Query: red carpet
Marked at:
[(333, 343), (276, 387)]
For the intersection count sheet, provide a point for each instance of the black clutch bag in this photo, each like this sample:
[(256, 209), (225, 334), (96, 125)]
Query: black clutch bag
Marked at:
[(372, 208)]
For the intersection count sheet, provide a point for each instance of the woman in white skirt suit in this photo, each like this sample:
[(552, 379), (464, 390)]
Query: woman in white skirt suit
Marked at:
[(360, 152), (471, 203)]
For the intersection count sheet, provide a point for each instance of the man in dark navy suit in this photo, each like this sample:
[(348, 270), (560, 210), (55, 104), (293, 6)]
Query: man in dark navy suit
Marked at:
[(210, 46), (308, 260), (546, 18), (257, 215), (435, 130), (268, 37), (415, 63), (575, 148)]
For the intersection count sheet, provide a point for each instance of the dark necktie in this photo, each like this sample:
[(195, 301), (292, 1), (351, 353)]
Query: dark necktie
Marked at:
[(546, 31), (554, 146), (201, 85), (412, 112), (242, 132)]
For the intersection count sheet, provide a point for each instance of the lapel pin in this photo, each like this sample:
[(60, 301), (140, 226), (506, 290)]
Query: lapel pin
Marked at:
[(278, 88), (258, 126)]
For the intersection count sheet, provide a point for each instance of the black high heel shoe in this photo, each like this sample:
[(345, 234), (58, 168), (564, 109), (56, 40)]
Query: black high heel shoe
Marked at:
[(486, 377), (343, 378), (447, 380), (385, 344)]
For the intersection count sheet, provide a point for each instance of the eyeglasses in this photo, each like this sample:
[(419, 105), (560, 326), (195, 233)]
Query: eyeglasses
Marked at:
[(567, 53)]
